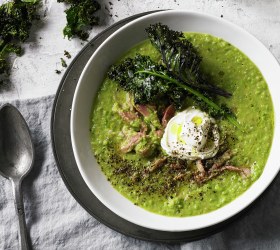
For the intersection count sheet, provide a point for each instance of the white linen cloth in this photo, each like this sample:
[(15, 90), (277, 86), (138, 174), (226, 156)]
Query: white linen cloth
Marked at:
[(56, 221)]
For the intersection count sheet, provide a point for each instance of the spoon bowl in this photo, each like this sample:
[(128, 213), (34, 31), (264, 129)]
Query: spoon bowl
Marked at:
[(16, 148), (16, 158)]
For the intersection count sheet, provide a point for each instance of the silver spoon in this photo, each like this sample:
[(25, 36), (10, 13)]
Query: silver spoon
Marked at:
[(16, 159)]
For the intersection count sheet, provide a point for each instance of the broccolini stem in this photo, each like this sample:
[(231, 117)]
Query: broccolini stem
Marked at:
[(196, 93)]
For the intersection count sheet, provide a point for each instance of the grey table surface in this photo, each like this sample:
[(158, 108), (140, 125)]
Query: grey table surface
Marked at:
[(54, 219)]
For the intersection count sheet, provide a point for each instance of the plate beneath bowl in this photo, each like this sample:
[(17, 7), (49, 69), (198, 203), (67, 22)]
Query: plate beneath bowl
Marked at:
[(63, 152)]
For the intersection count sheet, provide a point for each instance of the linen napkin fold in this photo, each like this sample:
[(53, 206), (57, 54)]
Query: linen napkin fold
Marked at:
[(56, 221)]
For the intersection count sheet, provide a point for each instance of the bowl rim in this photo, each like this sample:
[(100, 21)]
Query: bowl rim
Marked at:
[(74, 139)]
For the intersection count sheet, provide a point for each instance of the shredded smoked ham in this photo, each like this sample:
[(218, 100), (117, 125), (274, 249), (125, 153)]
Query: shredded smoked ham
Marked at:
[(217, 168)]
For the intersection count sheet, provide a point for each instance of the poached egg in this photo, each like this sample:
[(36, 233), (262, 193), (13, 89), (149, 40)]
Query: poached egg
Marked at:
[(192, 135)]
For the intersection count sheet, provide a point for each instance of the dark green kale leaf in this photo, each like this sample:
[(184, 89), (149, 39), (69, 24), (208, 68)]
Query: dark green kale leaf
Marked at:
[(145, 88), (5, 50), (15, 22), (16, 19), (152, 83), (80, 17), (181, 58)]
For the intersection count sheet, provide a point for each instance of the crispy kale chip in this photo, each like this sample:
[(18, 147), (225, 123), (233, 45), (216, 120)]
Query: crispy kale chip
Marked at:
[(80, 17), (145, 88), (152, 83), (5, 50), (15, 22), (177, 77), (180, 58), (16, 19)]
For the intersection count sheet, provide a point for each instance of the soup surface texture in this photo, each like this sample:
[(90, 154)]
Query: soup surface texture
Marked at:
[(226, 67)]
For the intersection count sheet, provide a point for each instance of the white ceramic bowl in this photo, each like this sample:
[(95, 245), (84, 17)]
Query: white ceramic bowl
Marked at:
[(92, 76)]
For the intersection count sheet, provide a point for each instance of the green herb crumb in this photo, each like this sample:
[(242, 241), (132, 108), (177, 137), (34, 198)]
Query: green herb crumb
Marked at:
[(63, 63), (67, 54)]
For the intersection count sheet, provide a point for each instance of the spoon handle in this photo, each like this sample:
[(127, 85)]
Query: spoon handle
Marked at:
[(22, 232)]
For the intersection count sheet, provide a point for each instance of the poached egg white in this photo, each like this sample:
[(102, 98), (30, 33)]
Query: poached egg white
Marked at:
[(191, 134)]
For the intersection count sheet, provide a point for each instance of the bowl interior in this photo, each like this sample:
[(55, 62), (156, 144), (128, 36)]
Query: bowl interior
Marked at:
[(93, 74)]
